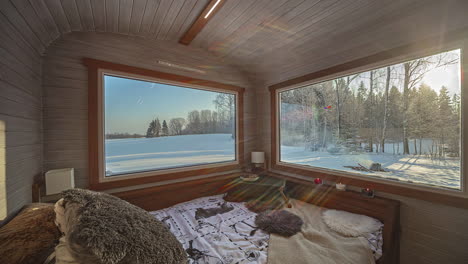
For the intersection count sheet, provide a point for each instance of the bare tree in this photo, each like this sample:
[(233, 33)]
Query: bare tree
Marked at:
[(176, 125), (385, 116)]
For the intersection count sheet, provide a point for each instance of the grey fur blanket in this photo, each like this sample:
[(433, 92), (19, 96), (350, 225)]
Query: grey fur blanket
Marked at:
[(102, 228)]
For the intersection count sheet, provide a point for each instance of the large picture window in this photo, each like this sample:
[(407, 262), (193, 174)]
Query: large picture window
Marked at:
[(154, 126), (146, 126), (401, 122)]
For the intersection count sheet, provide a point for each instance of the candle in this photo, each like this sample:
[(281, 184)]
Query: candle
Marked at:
[(367, 192), (341, 187)]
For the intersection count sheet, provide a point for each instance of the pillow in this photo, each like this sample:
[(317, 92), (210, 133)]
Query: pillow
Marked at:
[(101, 228), (349, 224), (280, 222), (30, 236)]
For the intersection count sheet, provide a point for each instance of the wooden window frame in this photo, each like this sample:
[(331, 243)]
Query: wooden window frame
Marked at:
[(97, 180), (429, 46)]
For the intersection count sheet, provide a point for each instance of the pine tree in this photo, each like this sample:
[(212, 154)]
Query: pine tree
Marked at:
[(421, 117), (444, 117), (165, 129), (150, 130)]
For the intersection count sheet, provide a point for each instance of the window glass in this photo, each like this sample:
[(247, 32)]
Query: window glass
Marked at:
[(400, 122), (153, 126)]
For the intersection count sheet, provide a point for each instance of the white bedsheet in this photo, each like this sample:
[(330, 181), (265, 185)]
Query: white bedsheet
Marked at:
[(223, 232), (224, 238)]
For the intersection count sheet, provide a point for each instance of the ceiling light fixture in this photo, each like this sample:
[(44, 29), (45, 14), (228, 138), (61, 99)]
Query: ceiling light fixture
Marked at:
[(212, 8), (180, 67)]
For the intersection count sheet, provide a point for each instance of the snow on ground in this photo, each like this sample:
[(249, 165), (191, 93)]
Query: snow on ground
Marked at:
[(418, 169), (143, 154)]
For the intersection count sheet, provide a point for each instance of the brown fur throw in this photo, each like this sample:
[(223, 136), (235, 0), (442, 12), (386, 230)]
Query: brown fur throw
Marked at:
[(30, 237), (102, 228), (280, 222)]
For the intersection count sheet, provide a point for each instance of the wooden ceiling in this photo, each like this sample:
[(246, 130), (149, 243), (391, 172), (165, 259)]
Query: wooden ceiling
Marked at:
[(272, 39)]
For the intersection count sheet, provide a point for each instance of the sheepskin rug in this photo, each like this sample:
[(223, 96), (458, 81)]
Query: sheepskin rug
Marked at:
[(349, 224)]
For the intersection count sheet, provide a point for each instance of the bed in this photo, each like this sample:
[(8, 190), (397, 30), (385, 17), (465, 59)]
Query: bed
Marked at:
[(213, 231), (161, 201)]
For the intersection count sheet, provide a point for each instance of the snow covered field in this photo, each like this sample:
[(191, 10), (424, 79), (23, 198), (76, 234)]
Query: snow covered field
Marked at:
[(418, 169), (143, 154)]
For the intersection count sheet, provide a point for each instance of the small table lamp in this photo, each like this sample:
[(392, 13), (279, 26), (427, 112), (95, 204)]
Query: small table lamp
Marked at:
[(59, 180), (258, 161)]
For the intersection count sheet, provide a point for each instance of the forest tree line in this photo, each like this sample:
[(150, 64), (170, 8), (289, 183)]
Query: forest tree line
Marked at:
[(389, 106), (198, 121)]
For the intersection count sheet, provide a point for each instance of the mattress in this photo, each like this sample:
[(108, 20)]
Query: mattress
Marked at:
[(213, 231)]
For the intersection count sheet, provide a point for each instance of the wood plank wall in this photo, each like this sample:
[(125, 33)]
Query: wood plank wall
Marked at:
[(430, 233), (65, 88), (20, 113)]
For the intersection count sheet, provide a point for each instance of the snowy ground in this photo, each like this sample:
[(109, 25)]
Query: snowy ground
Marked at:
[(418, 169), (143, 154)]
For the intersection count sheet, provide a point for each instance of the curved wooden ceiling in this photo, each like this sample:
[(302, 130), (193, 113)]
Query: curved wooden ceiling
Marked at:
[(263, 36)]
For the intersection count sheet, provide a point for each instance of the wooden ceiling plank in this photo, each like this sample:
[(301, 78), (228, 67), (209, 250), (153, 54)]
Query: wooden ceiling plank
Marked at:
[(99, 15), (184, 13), (191, 17), (360, 47), (222, 38), (163, 8), (58, 14), (71, 10), (212, 8), (250, 23), (224, 14), (148, 16), (125, 15), (222, 22), (321, 10), (26, 10), (170, 18), (86, 14), (139, 7), (376, 24), (338, 23), (112, 15), (380, 16), (277, 17), (46, 18), (13, 18)]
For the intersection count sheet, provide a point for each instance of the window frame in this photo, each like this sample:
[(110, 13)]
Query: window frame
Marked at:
[(431, 46), (97, 180)]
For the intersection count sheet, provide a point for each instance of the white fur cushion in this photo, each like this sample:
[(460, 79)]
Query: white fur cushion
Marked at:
[(349, 224)]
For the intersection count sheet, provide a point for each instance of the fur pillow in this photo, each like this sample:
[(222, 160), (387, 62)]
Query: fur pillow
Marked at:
[(280, 222), (349, 224), (101, 228), (30, 236)]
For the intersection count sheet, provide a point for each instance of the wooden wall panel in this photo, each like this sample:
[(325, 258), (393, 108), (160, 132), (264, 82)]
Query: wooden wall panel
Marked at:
[(65, 88), (20, 105)]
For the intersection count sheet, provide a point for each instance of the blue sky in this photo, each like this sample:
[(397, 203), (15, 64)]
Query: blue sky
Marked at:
[(131, 104)]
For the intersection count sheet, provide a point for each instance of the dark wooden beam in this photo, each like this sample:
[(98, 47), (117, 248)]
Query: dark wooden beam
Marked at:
[(201, 21)]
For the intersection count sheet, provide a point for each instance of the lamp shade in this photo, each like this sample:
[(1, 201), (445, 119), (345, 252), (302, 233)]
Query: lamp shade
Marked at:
[(59, 180), (258, 157)]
